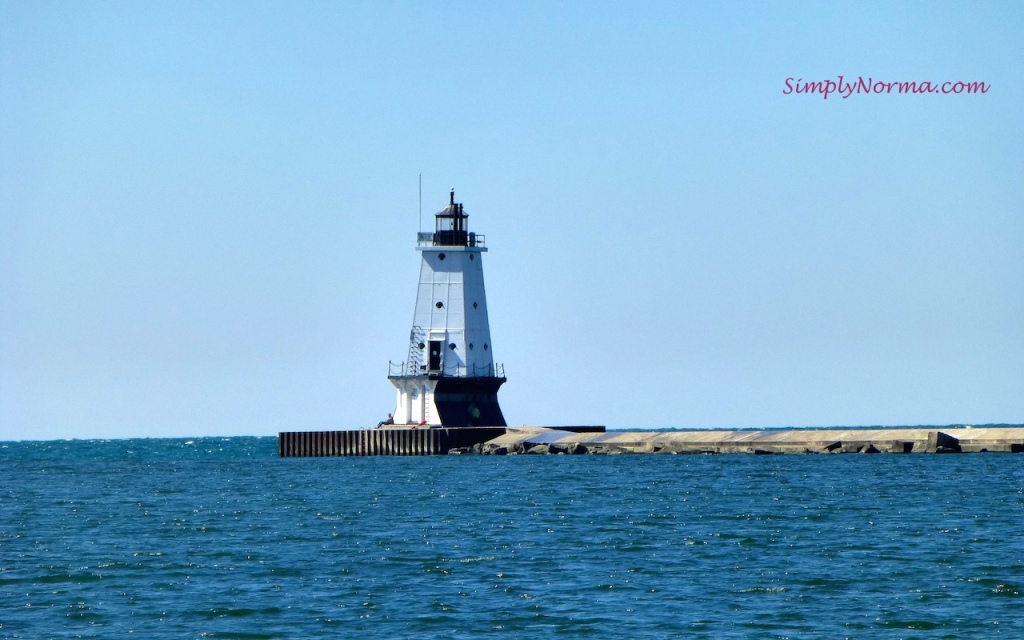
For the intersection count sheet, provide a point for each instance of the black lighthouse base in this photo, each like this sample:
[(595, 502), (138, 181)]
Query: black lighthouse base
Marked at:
[(469, 402)]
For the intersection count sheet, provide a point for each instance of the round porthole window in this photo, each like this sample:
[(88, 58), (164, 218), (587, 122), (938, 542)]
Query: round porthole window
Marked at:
[(452, 346), (440, 256), (421, 345), (485, 346), (474, 305), (439, 304), (471, 256), (470, 346)]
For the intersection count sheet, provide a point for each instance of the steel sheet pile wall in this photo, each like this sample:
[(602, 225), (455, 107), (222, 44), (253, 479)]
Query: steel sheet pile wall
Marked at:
[(381, 442), (375, 442)]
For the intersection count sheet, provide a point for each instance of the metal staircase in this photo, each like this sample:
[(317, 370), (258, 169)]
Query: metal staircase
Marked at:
[(414, 364)]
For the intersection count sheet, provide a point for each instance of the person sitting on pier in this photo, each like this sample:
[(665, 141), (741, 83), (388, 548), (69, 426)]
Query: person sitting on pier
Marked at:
[(390, 420)]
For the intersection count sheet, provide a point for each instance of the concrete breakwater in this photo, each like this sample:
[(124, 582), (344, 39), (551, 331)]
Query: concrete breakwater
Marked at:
[(404, 441), (916, 440)]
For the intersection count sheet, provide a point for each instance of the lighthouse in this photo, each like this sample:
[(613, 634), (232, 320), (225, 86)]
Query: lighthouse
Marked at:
[(449, 377)]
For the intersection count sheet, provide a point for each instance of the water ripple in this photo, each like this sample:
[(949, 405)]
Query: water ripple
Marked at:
[(218, 538)]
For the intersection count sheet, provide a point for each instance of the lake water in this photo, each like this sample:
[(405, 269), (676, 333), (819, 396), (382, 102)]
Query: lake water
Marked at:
[(219, 538)]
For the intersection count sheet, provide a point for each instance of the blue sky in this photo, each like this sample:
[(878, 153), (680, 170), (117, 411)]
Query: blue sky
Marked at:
[(208, 211)]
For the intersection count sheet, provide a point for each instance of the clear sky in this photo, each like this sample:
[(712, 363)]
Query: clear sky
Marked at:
[(208, 211)]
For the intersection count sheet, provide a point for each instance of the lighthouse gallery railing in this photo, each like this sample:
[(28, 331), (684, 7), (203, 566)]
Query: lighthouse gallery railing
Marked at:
[(430, 239), (396, 370)]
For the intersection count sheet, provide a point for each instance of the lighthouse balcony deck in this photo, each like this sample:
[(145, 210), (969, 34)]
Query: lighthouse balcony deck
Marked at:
[(450, 238), (417, 370)]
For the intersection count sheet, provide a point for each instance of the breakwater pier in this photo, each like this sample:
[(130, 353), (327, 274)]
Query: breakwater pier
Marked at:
[(406, 441), (399, 441)]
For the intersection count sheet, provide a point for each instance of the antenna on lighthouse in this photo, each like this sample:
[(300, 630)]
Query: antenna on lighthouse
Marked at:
[(420, 228)]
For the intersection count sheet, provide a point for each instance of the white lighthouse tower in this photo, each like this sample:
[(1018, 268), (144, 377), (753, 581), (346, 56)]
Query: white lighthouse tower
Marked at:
[(449, 378)]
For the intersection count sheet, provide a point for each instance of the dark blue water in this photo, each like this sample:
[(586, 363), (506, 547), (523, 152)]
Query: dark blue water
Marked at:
[(218, 538)]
